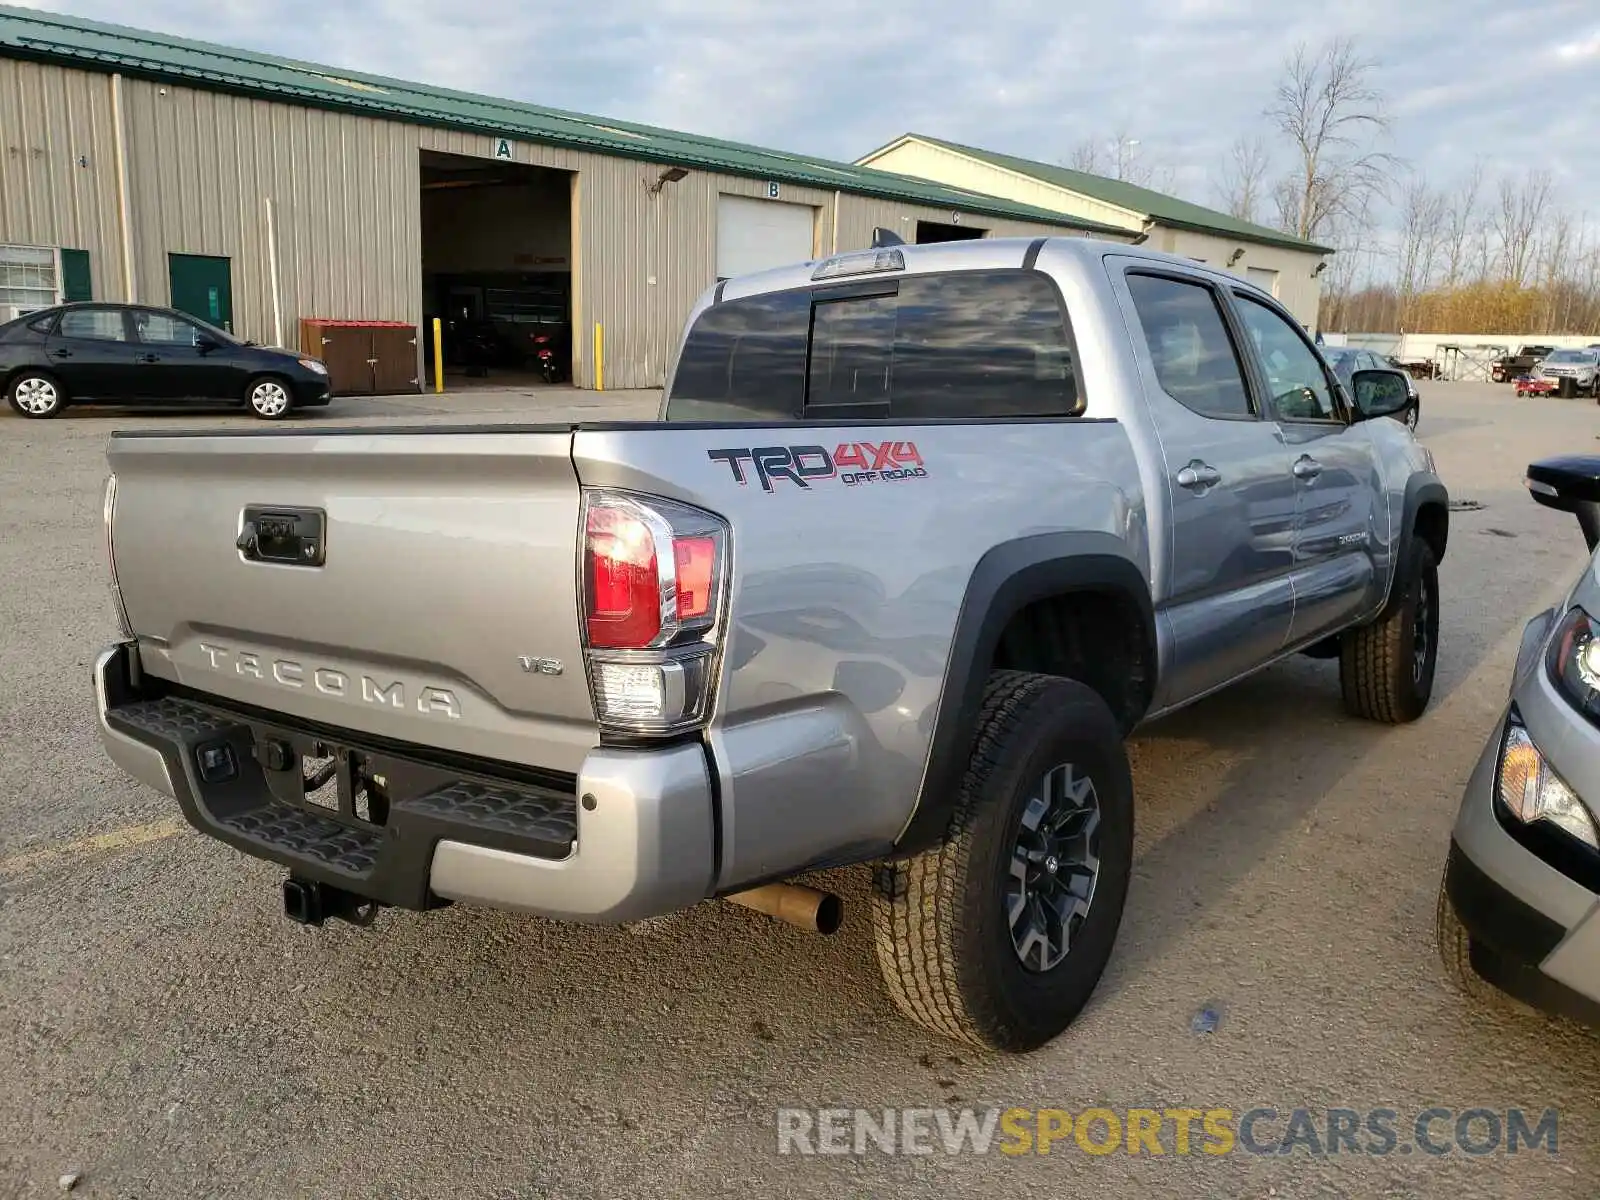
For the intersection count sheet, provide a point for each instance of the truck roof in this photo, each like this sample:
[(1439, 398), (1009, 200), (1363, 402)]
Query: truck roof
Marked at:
[(975, 254)]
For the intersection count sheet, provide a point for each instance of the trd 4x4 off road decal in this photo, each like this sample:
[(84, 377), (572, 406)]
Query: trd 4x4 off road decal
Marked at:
[(852, 463)]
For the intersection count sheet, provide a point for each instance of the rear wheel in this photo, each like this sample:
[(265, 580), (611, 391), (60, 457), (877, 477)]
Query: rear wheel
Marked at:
[(1386, 668), (268, 398), (998, 935), (36, 394)]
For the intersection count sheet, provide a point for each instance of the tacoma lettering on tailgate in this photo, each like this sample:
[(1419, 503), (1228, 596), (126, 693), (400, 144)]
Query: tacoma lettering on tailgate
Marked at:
[(329, 681)]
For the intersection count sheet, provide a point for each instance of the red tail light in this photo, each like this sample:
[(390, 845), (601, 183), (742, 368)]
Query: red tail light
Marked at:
[(623, 583), (653, 576)]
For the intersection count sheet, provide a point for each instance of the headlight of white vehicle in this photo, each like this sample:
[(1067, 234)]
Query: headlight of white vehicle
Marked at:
[(312, 364)]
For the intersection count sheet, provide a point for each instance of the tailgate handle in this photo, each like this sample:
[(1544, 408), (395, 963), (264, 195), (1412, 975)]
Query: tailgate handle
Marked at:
[(288, 536)]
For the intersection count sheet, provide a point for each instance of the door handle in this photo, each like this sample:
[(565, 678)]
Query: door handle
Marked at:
[(1198, 475), (1306, 467), (147, 358), (62, 353)]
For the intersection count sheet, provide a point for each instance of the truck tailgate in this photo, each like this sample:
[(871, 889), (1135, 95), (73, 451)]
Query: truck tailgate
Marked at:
[(447, 558)]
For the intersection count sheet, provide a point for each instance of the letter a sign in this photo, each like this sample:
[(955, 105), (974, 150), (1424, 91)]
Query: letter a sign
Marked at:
[(502, 148)]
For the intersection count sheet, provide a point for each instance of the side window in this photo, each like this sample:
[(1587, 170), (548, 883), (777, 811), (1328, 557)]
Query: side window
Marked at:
[(161, 329), (42, 324), (99, 324), (1195, 358), (983, 344), (1300, 390), (744, 360)]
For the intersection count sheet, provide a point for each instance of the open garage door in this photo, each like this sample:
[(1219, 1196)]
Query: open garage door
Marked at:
[(754, 235), (497, 269)]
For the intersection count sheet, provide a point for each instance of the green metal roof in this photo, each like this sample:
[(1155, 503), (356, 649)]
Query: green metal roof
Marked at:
[(1169, 210), (92, 45)]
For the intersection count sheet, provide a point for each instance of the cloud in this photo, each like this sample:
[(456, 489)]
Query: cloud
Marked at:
[(1031, 77), (1580, 51)]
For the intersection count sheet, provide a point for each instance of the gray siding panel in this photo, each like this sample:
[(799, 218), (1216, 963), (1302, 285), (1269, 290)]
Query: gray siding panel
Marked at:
[(202, 166), (49, 120)]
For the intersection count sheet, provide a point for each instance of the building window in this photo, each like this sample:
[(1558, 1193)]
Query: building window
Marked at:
[(28, 278)]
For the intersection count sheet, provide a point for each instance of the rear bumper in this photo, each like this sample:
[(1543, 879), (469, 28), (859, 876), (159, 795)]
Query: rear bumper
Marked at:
[(639, 842)]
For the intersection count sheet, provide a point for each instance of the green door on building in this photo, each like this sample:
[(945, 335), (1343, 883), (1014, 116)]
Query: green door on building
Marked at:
[(202, 286)]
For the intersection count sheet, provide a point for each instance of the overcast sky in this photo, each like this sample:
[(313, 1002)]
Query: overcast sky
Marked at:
[(1517, 81)]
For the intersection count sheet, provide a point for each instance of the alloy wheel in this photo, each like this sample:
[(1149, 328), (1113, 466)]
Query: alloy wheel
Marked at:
[(1055, 865)]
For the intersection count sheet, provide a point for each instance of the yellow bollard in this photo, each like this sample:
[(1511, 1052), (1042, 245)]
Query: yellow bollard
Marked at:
[(599, 359), (438, 356)]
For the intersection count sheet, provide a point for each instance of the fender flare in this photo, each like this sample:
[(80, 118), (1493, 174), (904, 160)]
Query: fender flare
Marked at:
[(1424, 489), (1009, 577)]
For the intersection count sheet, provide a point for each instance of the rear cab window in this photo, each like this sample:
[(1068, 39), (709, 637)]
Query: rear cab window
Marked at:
[(962, 345)]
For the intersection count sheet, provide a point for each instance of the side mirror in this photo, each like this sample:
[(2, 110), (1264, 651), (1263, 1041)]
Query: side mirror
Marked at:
[(204, 344), (1570, 483), (1379, 393)]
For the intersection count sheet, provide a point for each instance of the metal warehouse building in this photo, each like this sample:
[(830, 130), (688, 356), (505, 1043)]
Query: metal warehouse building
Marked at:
[(257, 193)]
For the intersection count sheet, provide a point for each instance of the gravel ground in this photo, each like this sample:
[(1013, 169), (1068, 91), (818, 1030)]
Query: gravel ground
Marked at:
[(167, 1033)]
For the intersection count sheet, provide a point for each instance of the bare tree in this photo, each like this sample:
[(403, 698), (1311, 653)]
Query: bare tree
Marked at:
[(1118, 157), (1560, 249), (1516, 223), (1243, 188), (1085, 157), (1329, 111), (1420, 233), (1460, 221)]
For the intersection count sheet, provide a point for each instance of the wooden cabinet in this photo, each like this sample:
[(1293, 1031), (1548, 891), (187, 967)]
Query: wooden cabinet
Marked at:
[(365, 358)]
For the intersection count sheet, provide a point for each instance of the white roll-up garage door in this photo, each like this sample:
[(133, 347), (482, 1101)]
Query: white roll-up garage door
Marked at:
[(753, 235)]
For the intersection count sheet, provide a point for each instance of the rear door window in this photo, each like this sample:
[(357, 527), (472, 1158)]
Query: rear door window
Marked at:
[(94, 324), (967, 345)]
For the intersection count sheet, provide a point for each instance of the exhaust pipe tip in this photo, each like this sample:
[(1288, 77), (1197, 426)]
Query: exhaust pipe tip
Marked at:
[(829, 915), (806, 908)]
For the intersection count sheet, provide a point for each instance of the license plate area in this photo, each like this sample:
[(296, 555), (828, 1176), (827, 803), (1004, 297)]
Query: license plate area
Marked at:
[(345, 783)]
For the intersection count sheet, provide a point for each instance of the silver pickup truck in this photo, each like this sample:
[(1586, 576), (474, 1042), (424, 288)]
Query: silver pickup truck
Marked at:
[(922, 534)]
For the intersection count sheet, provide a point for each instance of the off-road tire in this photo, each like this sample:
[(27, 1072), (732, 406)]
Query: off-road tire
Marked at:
[(1376, 661), (944, 944)]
